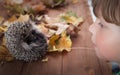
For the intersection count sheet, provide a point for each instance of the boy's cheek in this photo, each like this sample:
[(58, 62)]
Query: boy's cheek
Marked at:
[(106, 50)]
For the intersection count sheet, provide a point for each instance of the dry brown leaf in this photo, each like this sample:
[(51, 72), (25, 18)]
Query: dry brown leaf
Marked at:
[(1, 20), (45, 60), (12, 19), (51, 33), (23, 18), (38, 7), (43, 29)]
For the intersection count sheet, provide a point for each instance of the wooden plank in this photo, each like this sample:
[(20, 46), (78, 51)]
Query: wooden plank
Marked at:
[(11, 68), (81, 62), (106, 70), (52, 67)]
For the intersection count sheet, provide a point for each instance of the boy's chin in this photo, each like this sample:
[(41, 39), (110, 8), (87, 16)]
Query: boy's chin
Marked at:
[(99, 55)]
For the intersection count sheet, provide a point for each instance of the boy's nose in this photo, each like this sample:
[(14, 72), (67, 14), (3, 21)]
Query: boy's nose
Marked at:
[(90, 28)]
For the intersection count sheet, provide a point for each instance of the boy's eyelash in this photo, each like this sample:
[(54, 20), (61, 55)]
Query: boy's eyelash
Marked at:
[(101, 25)]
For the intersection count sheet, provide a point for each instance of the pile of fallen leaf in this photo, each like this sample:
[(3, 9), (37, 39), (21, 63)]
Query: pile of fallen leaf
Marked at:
[(58, 31)]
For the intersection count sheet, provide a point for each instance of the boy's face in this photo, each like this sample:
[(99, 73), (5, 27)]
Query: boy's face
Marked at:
[(106, 39)]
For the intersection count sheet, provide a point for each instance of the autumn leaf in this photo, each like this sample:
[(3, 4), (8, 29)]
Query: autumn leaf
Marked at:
[(2, 29), (12, 19), (71, 17), (60, 43), (65, 43), (4, 52), (53, 40), (45, 59), (1, 20), (43, 29), (61, 28), (23, 18)]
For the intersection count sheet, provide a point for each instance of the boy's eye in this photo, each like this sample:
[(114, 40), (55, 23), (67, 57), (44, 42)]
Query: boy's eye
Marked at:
[(101, 25)]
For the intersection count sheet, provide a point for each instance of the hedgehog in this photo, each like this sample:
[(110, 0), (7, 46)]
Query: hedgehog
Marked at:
[(25, 42)]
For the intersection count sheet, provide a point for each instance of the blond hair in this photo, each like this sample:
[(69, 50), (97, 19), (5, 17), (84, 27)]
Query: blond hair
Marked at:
[(109, 9)]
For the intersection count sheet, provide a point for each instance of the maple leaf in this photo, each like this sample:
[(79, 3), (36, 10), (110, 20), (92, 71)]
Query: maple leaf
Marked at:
[(65, 43), (53, 40), (71, 17), (60, 43)]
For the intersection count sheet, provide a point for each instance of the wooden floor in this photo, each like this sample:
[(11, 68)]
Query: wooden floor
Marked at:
[(76, 62)]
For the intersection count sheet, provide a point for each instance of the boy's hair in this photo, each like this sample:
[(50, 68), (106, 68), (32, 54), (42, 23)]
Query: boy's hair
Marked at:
[(109, 9)]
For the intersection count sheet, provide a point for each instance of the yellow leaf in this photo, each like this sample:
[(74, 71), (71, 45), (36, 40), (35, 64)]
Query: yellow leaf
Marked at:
[(53, 39), (3, 28), (66, 18), (78, 21), (23, 18), (52, 42), (52, 49), (65, 43), (71, 17)]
